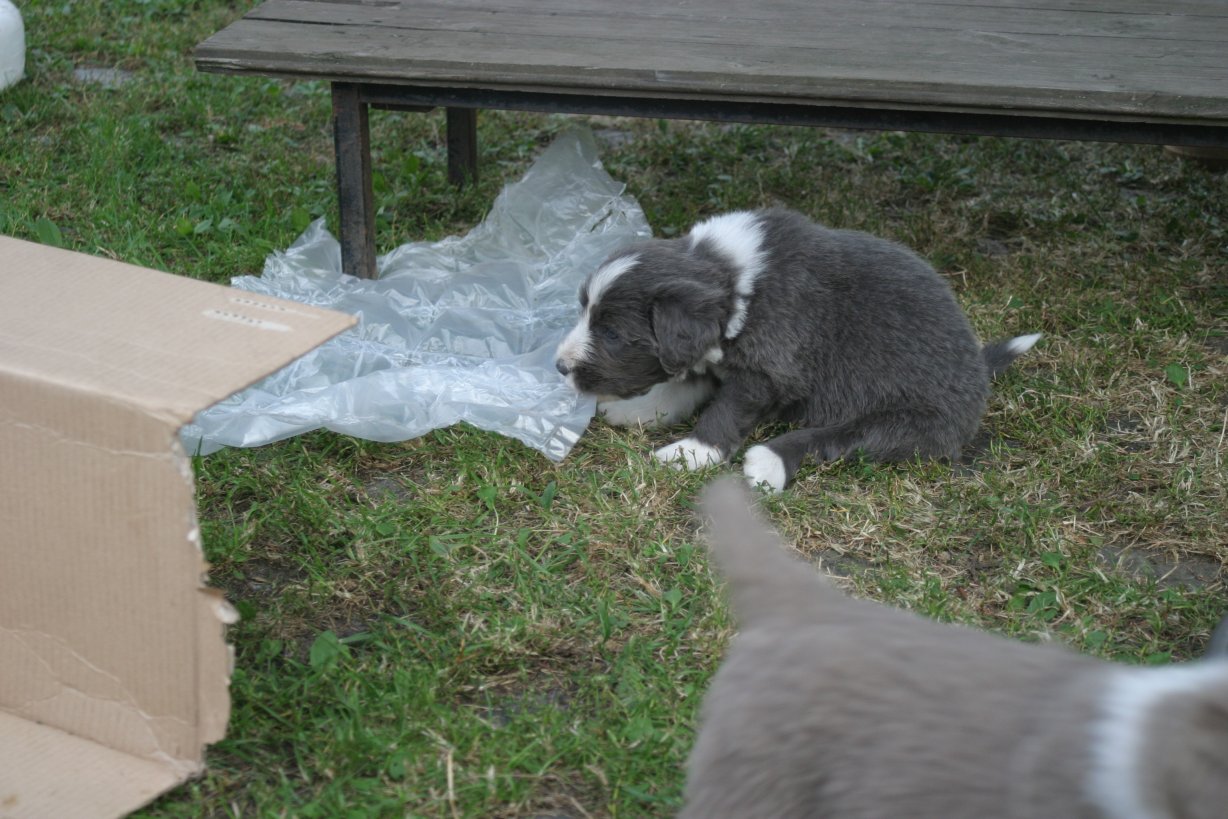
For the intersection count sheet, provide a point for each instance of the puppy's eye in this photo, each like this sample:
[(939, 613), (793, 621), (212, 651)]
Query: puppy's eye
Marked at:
[(608, 334)]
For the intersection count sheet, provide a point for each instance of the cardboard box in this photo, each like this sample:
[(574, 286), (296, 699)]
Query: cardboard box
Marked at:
[(113, 661)]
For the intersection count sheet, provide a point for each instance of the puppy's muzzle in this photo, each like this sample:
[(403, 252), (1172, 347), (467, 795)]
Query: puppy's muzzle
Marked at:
[(563, 367)]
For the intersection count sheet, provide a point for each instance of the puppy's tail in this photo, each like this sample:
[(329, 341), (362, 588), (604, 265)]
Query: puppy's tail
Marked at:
[(1000, 354), (764, 580)]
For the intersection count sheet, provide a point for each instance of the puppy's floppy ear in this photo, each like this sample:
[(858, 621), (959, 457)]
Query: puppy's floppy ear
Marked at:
[(687, 320)]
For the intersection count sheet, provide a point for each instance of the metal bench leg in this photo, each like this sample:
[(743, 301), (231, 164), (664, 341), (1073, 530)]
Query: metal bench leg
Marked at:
[(462, 146), (352, 140)]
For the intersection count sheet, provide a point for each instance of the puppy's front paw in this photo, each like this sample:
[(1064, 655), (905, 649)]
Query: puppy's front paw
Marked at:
[(630, 412), (764, 469), (664, 404), (689, 453)]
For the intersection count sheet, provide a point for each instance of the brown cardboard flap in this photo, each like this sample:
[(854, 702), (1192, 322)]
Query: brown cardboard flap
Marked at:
[(113, 664), (168, 343), (62, 775)]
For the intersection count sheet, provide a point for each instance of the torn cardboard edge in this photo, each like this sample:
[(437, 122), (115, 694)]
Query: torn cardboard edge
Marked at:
[(114, 670)]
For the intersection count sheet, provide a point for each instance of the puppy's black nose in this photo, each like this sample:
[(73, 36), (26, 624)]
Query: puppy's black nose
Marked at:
[(562, 367)]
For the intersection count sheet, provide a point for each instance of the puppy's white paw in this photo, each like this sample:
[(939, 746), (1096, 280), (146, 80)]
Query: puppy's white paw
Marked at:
[(764, 469), (632, 412), (666, 403), (690, 454)]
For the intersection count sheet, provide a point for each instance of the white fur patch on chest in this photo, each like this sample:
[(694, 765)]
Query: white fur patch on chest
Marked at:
[(710, 363), (738, 237), (1119, 735)]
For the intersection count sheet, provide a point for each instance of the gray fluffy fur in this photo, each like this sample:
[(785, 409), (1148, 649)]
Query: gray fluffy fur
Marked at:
[(855, 338), (831, 707)]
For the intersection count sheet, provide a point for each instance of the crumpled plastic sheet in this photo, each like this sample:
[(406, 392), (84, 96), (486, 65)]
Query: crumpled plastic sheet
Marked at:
[(463, 329)]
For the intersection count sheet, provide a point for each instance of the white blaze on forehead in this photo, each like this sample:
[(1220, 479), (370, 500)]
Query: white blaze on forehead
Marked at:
[(578, 344), (605, 276), (738, 237), (575, 346)]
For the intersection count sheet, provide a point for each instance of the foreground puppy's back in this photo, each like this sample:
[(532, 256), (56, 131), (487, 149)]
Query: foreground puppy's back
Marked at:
[(829, 706), (834, 707)]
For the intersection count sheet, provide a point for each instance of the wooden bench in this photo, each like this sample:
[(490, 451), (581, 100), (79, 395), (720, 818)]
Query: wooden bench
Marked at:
[(1152, 71)]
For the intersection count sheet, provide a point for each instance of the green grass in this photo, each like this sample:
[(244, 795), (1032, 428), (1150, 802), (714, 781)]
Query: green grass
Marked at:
[(454, 626)]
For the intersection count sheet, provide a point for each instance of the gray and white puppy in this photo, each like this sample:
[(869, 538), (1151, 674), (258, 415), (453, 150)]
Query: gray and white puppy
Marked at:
[(766, 315), (834, 707)]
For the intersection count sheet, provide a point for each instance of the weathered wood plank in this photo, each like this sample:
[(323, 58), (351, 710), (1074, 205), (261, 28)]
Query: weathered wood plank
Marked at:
[(969, 70), (757, 20), (785, 9), (797, 52)]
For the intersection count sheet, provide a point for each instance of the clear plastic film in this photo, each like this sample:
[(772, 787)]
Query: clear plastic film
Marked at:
[(462, 329)]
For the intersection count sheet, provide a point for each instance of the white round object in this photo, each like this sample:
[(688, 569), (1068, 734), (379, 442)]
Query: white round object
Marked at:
[(12, 45)]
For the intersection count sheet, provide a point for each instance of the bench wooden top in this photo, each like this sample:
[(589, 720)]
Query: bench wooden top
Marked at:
[(1159, 60)]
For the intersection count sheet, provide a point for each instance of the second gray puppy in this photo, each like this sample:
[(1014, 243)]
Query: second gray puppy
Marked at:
[(834, 707)]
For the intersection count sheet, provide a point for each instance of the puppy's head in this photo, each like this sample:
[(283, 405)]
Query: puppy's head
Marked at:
[(650, 313)]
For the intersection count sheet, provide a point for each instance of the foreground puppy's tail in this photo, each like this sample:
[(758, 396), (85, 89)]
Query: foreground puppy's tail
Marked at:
[(1000, 354), (765, 581)]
